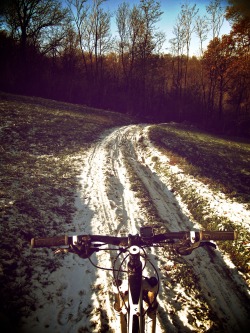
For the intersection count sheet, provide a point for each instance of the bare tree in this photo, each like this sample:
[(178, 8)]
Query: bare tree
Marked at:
[(182, 31), (98, 34), (201, 29), (79, 12), (149, 40), (150, 37), (93, 29), (188, 14), (216, 16), (138, 41), (128, 25), (139, 37), (27, 21), (177, 47)]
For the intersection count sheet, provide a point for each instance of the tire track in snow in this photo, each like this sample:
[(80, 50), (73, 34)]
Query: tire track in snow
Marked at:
[(104, 184), (107, 193), (104, 193)]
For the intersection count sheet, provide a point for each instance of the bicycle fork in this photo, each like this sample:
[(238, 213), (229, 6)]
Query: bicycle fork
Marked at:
[(129, 302)]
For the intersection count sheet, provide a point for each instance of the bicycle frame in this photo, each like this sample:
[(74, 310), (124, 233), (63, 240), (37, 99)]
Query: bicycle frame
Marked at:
[(140, 291)]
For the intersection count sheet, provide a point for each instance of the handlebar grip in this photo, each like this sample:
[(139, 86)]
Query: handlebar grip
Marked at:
[(50, 242), (218, 235)]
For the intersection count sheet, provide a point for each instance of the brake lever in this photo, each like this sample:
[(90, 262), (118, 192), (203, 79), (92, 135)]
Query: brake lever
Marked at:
[(186, 248), (83, 250)]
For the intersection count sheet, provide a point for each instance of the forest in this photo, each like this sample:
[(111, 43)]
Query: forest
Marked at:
[(65, 50)]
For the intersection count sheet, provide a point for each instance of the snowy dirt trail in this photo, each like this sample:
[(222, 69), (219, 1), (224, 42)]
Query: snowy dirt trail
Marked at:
[(199, 293)]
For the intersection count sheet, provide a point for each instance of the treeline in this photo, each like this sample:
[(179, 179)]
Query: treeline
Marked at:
[(65, 51)]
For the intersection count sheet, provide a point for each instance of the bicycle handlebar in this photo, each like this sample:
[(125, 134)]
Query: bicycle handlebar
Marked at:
[(193, 236)]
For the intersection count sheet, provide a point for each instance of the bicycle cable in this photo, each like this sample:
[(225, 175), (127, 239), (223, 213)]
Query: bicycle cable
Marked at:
[(105, 268)]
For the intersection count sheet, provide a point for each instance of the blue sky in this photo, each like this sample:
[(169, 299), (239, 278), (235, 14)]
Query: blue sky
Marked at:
[(171, 9)]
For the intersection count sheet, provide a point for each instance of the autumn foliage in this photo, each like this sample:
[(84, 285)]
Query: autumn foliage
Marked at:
[(69, 54)]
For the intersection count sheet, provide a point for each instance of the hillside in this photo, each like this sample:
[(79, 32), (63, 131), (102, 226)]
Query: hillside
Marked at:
[(42, 147), (68, 168)]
